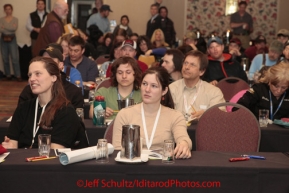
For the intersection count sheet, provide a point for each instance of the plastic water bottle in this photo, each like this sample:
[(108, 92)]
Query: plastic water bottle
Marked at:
[(98, 104)]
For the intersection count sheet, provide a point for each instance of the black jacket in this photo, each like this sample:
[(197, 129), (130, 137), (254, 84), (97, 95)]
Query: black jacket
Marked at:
[(258, 98), (153, 25), (218, 70)]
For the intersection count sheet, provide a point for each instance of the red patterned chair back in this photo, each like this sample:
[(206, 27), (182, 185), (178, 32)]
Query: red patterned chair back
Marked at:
[(105, 83), (222, 131), (231, 86), (108, 132), (101, 59)]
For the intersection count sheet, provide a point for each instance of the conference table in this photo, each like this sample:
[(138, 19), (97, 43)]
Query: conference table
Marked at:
[(203, 172), (274, 138)]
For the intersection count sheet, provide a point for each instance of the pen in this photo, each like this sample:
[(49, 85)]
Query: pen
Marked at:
[(116, 111), (239, 159), (254, 156), (193, 108), (34, 160)]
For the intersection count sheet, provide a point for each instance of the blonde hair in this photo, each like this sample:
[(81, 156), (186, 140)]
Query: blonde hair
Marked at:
[(153, 39), (64, 37), (276, 74)]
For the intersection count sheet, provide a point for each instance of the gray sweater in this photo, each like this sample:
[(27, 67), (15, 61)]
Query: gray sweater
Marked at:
[(8, 27)]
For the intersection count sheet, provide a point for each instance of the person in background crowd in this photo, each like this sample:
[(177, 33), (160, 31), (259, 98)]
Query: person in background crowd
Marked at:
[(96, 9), (154, 22), (76, 59), (173, 63), (157, 119), (125, 83), (158, 39), (191, 95), (191, 40), (271, 93), (134, 37), (185, 49), (286, 53), (50, 109), (100, 19), (259, 47), (242, 24), (103, 48), (63, 41), (167, 26), (128, 48), (235, 49), (119, 35), (145, 47), (9, 47), (124, 21), (113, 55), (89, 51), (35, 21), (221, 64), (53, 27), (73, 93), (273, 56), (283, 36)]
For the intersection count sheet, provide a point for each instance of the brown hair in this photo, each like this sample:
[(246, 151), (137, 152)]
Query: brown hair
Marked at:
[(77, 40), (64, 37), (203, 58), (163, 77), (135, 67), (276, 74), (8, 5), (178, 58), (58, 96)]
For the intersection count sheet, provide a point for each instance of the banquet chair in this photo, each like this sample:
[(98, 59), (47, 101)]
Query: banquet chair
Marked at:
[(108, 132), (223, 131), (231, 86), (104, 83), (101, 59)]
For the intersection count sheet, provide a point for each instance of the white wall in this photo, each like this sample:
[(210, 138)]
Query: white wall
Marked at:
[(21, 10)]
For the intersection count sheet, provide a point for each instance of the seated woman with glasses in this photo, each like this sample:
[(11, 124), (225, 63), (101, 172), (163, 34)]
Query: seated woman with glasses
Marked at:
[(49, 113), (271, 93), (125, 82), (156, 117)]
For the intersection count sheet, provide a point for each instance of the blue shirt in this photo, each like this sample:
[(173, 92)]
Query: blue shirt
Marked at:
[(87, 68), (73, 76), (257, 62), (102, 22)]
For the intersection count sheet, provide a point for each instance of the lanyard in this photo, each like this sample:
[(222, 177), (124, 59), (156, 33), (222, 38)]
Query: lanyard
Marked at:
[(119, 97), (187, 107), (271, 105), (149, 142), (35, 129)]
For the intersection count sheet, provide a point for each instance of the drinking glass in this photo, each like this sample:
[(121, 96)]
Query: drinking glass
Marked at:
[(263, 117), (44, 142), (168, 152), (102, 151)]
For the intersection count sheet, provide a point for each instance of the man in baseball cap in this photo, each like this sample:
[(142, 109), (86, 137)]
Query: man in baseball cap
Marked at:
[(235, 49), (259, 47), (128, 48), (275, 51), (221, 65), (55, 52), (283, 36)]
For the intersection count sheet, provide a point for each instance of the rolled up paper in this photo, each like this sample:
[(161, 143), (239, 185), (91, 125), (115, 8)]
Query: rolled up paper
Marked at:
[(70, 157)]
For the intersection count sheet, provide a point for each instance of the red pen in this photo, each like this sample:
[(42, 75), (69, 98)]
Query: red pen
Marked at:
[(239, 159), (29, 159)]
